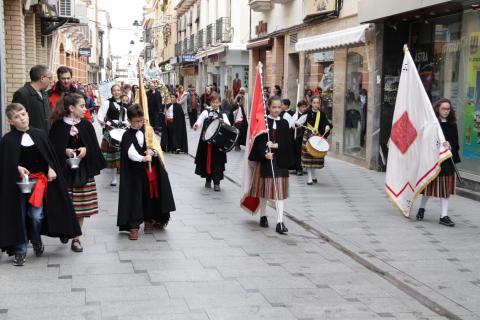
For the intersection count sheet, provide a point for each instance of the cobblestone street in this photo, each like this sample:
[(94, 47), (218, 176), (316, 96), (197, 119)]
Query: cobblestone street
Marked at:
[(348, 255)]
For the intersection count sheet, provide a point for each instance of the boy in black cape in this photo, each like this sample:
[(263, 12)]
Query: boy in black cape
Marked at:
[(209, 160), (145, 195), (25, 151), (174, 135), (275, 154)]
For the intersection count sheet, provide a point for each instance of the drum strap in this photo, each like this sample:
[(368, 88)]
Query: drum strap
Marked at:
[(317, 123)]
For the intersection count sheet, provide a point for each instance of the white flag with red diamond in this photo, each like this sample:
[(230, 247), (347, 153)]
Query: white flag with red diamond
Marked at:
[(416, 142)]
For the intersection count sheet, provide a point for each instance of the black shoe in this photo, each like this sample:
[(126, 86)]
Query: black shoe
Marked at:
[(420, 214), (208, 184), (264, 222), (64, 240), (38, 249), (281, 228), (314, 180), (309, 183), (300, 173), (446, 221), (113, 184), (76, 246), (216, 187), (177, 151), (19, 260)]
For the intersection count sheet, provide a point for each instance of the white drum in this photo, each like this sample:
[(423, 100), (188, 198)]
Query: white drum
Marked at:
[(211, 130), (318, 147), (115, 137)]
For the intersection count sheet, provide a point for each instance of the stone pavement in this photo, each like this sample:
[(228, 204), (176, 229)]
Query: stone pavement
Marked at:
[(214, 261), (349, 208)]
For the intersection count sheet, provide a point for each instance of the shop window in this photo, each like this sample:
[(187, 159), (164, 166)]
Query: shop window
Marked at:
[(356, 98), (318, 80)]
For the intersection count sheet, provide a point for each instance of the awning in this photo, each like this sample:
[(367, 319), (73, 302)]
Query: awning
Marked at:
[(339, 38), (259, 43), (212, 51)]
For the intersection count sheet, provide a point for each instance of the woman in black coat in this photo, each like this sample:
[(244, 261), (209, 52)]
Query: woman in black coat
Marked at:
[(443, 186)]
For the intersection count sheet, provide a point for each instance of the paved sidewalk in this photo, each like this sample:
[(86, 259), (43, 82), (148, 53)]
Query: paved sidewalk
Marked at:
[(349, 206)]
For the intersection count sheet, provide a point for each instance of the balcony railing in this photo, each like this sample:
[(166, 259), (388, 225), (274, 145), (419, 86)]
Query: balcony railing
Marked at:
[(178, 48), (261, 5), (191, 43), (199, 40), (185, 45), (222, 30), (210, 34)]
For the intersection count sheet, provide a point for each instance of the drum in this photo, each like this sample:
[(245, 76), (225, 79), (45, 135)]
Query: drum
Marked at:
[(115, 137), (222, 135), (318, 147)]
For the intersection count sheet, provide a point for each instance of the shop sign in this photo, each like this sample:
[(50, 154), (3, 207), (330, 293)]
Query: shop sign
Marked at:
[(85, 52), (314, 8), (188, 58), (261, 28), (324, 56)]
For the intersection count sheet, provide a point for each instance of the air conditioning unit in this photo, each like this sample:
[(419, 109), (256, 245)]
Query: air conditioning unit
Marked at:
[(66, 8)]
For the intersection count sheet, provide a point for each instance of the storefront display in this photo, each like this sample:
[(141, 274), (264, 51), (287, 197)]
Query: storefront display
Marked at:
[(319, 74), (356, 103)]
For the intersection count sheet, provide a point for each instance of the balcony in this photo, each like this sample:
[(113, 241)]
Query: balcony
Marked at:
[(191, 43), (261, 5), (178, 48), (210, 34), (281, 1), (199, 44), (185, 45), (222, 30)]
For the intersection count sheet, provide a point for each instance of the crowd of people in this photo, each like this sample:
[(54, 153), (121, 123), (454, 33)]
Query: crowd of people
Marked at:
[(52, 149)]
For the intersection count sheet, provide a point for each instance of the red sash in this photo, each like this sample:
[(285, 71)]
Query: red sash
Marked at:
[(152, 182), (40, 191), (209, 158)]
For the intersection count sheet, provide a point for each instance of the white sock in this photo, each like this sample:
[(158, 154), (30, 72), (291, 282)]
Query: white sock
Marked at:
[(423, 202), (114, 175), (314, 173), (309, 173), (280, 207), (263, 207), (444, 203)]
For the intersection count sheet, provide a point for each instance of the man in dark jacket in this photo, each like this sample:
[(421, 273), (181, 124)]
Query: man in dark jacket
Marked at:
[(34, 98), (155, 107)]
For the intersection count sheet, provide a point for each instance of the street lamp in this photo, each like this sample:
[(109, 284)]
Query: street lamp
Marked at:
[(136, 23), (131, 42)]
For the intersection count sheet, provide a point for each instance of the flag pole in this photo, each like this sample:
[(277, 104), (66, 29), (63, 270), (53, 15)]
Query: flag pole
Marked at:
[(275, 187)]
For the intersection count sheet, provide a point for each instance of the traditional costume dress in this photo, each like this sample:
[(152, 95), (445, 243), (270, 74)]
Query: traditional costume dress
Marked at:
[(32, 150), (174, 136), (156, 109), (240, 121), (444, 185), (209, 160), (145, 196), (271, 176), (74, 133), (113, 112), (297, 143), (316, 123)]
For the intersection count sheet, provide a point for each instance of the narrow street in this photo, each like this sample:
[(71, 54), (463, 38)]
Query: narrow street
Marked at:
[(215, 262)]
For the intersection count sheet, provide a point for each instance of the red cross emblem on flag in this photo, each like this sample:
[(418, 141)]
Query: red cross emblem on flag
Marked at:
[(403, 133)]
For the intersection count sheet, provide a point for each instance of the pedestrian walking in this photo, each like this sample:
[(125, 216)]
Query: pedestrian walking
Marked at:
[(74, 137), (156, 109), (26, 214), (317, 124), (206, 98), (273, 154), (444, 185), (174, 136), (110, 116), (34, 97), (209, 160), (143, 173), (182, 98), (227, 105), (193, 105)]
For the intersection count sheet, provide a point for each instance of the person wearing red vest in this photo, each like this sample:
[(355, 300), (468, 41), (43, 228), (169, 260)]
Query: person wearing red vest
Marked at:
[(63, 85)]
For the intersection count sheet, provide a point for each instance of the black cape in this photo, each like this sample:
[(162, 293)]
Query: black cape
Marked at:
[(282, 157), (450, 132), (242, 127), (174, 135), (219, 158), (59, 215), (134, 199), (93, 161)]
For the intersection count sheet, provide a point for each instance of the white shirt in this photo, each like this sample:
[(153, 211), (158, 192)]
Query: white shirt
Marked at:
[(289, 119), (210, 113), (132, 152), (238, 115), (170, 112), (102, 112), (26, 140)]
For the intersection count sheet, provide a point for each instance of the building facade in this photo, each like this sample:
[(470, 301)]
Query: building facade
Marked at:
[(443, 38)]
